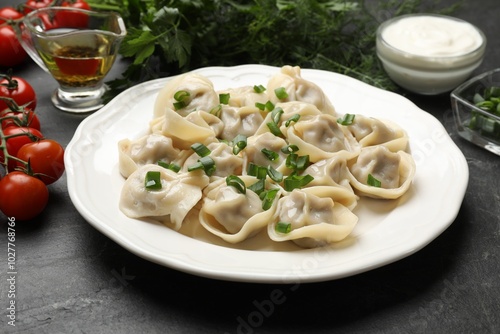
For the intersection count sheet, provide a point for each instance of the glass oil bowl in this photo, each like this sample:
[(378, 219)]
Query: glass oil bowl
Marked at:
[(473, 123), (431, 70)]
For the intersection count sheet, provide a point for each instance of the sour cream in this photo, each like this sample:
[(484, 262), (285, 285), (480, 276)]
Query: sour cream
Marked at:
[(429, 54), (432, 36)]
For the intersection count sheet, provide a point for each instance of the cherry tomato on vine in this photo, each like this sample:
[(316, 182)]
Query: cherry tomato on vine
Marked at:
[(32, 5), (12, 53), (22, 136), (17, 89), (46, 159), (22, 196), (72, 19), (26, 118)]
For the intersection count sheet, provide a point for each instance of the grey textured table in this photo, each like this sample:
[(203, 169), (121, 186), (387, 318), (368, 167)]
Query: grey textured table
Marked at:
[(73, 279)]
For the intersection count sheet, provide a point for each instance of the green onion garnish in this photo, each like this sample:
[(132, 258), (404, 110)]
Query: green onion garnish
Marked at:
[(295, 118), (282, 227), (271, 155), (259, 89), (295, 181), (302, 162), (206, 163), (291, 161), (239, 143), (346, 120), (281, 93), (259, 172), (152, 180), (200, 149), (274, 174), (260, 106), (173, 167), (258, 187), (181, 95), (216, 111), (274, 128), (236, 182), (289, 149), (268, 198), (269, 106), (372, 181), (224, 98), (276, 114)]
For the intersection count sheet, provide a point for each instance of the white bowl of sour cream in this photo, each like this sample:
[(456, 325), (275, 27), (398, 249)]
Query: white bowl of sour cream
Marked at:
[(429, 54)]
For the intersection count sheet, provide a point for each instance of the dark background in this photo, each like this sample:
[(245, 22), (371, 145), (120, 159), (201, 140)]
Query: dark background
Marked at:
[(73, 279)]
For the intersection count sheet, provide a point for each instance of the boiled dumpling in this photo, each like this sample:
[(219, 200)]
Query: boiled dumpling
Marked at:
[(394, 171), (179, 193), (202, 95), (226, 163), (244, 96), (232, 215), (240, 121), (298, 89), (315, 221)]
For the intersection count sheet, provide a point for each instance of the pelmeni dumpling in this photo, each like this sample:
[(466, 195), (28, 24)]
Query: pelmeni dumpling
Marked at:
[(315, 221), (329, 172), (370, 131), (148, 149), (240, 120), (298, 89), (179, 193), (266, 141), (321, 137), (226, 163), (202, 95), (395, 171), (244, 96), (184, 131), (232, 215)]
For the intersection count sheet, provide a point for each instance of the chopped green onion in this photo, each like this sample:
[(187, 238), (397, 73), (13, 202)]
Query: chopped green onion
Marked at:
[(206, 163), (281, 93), (260, 106), (271, 155), (200, 149), (181, 95), (291, 161), (259, 89), (346, 120), (282, 227), (224, 98), (152, 180), (289, 149), (173, 167), (274, 128), (269, 106), (236, 182), (295, 118), (239, 143), (302, 162), (179, 105), (276, 114), (372, 181), (259, 172), (258, 187), (216, 111), (268, 198), (295, 181), (274, 174)]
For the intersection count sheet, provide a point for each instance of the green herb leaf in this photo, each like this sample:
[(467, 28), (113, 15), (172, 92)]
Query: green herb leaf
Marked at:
[(372, 181)]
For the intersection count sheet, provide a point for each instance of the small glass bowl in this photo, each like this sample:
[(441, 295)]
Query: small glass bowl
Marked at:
[(427, 75), (473, 123)]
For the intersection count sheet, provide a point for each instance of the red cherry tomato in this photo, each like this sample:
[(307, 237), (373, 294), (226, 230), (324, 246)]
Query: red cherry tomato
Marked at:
[(22, 136), (12, 53), (19, 90), (22, 196), (32, 5), (72, 19), (46, 159), (26, 118)]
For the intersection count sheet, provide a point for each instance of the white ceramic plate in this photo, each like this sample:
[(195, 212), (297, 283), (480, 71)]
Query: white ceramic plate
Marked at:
[(386, 231)]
